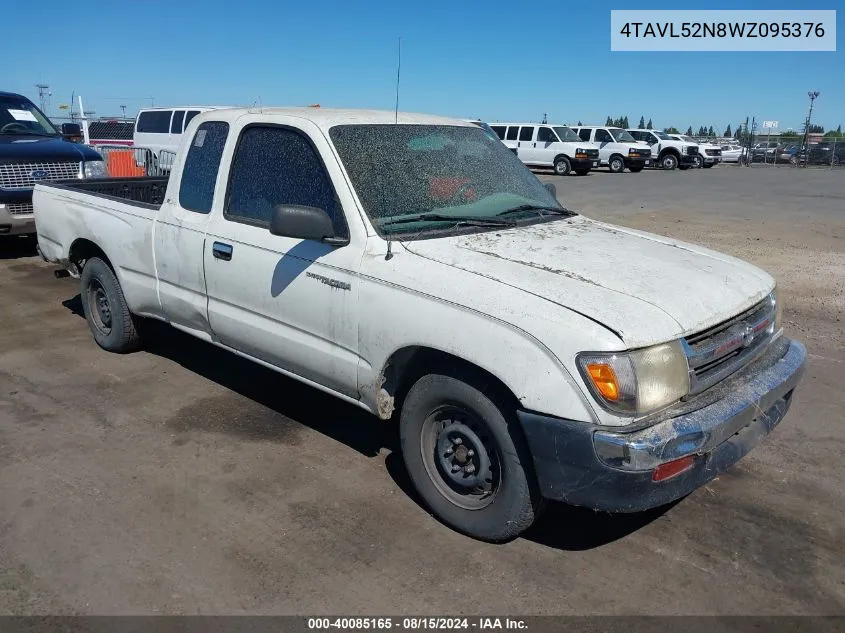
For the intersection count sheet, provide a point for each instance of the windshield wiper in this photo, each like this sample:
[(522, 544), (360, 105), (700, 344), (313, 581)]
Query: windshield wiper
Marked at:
[(469, 220), (537, 207)]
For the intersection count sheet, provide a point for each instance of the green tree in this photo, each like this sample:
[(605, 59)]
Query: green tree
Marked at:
[(816, 129), (788, 135), (649, 126), (671, 130), (623, 123), (642, 123), (739, 132), (728, 132), (832, 133), (689, 131), (580, 124), (710, 132), (609, 122)]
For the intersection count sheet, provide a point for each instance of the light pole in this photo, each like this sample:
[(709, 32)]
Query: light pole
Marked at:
[(813, 94), (123, 107)]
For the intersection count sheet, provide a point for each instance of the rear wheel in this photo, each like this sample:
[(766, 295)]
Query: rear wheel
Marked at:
[(105, 308), (562, 166), (616, 164), (467, 457), (669, 161)]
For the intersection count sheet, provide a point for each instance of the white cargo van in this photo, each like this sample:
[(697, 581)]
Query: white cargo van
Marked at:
[(548, 145), (161, 128), (617, 148)]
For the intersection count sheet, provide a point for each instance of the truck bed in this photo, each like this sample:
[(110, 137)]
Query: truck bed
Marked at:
[(147, 190)]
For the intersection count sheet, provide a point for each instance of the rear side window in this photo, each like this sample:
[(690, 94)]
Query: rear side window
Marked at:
[(513, 131), (154, 122), (584, 134), (499, 130), (603, 136), (191, 114), (196, 190), (274, 166), (545, 135), (176, 124), (526, 133)]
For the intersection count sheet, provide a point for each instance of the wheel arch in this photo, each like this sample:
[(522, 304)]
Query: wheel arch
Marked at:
[(83, 249)]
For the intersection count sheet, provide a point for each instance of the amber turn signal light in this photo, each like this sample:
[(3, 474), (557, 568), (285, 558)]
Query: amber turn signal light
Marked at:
[(604, 378)]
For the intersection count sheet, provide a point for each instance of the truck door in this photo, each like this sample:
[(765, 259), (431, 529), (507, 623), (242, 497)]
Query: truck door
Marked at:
[(289, 302), (180, 228)]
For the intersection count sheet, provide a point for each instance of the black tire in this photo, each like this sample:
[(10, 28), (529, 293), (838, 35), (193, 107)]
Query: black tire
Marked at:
[(499, 498), (697, 161), (113, 326), (636, 169), (582, 172), (562, 166), (668, 161), (616, 164)]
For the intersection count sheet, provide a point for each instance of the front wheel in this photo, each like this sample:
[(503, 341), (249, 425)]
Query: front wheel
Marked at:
[(669, 162), (562, 166), (697, 162), (105, 308), (616, 164), (467, 458)]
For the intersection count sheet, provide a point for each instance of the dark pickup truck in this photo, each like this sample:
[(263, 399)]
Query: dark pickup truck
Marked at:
[(31, 150)]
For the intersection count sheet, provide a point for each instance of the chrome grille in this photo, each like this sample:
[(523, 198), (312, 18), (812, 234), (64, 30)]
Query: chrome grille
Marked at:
[(19, 208), (714, 152), (717, 352), (22, 176)]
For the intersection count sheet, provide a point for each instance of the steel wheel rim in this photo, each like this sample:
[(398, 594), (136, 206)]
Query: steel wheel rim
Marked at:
[(616, 164), (460, 458), (560, 168), (99, 306)]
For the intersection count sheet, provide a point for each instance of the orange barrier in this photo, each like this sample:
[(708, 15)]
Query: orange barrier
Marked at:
[(122, 164)]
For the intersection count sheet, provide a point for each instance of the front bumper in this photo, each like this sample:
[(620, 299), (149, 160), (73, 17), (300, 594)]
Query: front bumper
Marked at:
[(637, 161), (711, 160), (584, 163), (606, 468), (16, 223)]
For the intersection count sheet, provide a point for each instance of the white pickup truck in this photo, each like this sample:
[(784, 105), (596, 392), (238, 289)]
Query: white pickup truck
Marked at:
[(411, 265)]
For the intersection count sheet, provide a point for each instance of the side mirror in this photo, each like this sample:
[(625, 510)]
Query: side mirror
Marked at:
[(301, 222), (71, 130), (550, 187)]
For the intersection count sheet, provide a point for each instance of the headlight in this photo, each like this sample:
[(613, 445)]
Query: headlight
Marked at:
[(93, 169), (778, 304), (639, 382)]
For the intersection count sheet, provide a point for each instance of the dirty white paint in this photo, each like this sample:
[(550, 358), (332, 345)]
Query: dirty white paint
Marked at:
[(519, 302)]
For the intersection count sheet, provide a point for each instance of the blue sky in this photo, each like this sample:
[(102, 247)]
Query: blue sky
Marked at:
[(499, 60)]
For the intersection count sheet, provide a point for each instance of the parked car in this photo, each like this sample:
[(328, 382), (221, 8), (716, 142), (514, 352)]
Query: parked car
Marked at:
[(709, 154), (617, 149), (826, 153), (731, 153), (548, 145), (32, 150), (669, 152), (414, 267), (765, 152)]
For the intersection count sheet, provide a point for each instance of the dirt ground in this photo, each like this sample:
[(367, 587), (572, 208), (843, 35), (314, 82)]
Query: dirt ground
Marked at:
[(185, 480)]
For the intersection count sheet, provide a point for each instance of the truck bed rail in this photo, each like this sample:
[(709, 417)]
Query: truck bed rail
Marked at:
[(146, 189)]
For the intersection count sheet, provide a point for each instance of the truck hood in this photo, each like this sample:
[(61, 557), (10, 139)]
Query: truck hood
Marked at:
[(646, 288), (14, 148)]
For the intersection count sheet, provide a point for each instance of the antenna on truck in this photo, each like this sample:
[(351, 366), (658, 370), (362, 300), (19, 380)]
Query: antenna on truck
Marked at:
[(398, 70)]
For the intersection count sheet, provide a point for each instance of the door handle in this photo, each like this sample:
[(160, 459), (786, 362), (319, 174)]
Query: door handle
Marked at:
[(222, 251)]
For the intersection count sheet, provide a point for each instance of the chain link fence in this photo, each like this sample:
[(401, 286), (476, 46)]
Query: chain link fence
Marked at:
[(128, 162)]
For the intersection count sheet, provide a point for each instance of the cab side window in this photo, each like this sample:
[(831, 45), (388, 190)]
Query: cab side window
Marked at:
[(603, 136), (499, 130), (513, 131), (279, 166), (199, 176), (584, 134), (546, 135)]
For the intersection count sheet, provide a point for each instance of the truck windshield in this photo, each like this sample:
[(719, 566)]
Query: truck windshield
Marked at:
[(401, 172), (567, 135), (20, 117)]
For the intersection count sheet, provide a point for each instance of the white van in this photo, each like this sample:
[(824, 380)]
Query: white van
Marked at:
[(548, 145), (617, 148), (161, 128)]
